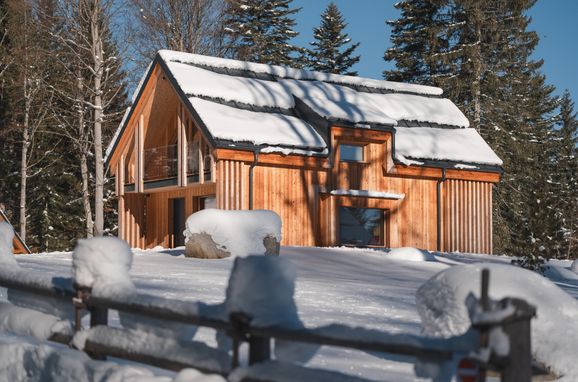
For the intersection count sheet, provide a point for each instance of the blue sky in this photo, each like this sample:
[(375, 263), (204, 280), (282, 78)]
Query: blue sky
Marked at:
[(554, 20)]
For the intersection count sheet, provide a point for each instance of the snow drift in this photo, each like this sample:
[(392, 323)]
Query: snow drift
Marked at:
[(239, 232), (410, 254), (441, 306)]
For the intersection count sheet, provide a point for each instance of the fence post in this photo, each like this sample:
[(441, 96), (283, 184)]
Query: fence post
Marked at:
[(519, 367), (259, 350)]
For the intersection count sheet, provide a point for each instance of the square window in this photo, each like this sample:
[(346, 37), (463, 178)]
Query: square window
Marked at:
[(351, 153), (361, 226)]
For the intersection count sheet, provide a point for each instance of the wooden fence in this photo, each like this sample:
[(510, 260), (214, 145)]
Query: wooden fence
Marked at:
[(515, 366)]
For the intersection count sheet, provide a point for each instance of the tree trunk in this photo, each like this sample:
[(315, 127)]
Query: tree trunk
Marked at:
[(86, 195), (24, 169), (477, 66), (97, 53)]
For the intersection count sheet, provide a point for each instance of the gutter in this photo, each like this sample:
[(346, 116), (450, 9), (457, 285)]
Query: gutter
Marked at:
[(439, 209), (251, 171)]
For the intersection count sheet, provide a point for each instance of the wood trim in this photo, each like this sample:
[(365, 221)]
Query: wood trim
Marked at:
[(436, 173), (272, 159), (360, 135)]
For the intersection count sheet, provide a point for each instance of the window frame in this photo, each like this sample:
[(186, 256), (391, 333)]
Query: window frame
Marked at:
[(362, 146), (384, 227)]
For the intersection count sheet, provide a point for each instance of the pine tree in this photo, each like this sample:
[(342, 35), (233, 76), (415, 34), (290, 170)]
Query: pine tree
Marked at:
[(329, 53), (415, 36), (260, 31)]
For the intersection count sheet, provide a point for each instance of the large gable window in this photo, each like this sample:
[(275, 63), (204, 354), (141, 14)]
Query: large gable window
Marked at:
[(351, 153)]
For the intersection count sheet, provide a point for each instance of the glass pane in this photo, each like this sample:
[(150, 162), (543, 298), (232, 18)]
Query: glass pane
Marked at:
[(351, 153), (360, 226), (160, 162), (208, 202)]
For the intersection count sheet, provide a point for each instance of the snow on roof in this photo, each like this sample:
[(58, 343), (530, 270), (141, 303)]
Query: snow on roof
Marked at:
[(274, 129), (298, 74), (200, 82), (460, 145), (340, 102)]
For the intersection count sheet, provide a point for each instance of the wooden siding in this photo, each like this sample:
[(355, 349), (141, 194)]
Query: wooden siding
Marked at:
[(144, 220), (467, 216)]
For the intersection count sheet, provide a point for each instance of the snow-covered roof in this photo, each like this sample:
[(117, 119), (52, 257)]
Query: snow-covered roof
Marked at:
[(459, 145), (258, 128), (196, 81), (274, 107), (298, 74)]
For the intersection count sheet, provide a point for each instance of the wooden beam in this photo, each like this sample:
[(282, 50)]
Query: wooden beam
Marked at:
[(201, 160), (139, 155), (179, 148), (272, 159), (183, 128), (360, 135)]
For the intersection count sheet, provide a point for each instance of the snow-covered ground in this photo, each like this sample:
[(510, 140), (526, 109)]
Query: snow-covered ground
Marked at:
[(356, 287)]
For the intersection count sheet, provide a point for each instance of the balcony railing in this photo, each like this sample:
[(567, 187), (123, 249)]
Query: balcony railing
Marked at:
[(160, 162)]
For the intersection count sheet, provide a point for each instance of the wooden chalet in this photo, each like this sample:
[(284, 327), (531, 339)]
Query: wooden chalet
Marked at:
[(343, 160)]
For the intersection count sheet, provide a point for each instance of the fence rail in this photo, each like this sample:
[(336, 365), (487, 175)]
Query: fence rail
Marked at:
[(516, 366)]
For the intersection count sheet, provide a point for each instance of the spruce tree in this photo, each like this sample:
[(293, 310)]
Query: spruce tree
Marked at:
[(567, 176), (260, 31), (480, 54), (329, 53)]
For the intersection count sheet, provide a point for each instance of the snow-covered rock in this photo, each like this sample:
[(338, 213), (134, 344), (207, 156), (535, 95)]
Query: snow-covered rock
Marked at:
[(239, 233), (441, 306), (103, 263), (410, 254), (6, 237)]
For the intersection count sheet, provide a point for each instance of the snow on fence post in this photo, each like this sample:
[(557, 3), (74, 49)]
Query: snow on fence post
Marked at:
[(100, 266)]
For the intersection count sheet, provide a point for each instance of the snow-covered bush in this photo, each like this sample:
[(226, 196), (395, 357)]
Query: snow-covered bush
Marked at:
[(236, 233), (6, 237), (410, 254), (441, 306), (103, 264)]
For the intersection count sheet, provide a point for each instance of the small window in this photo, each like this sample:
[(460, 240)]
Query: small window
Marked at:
[(207, 202), (351, 153)]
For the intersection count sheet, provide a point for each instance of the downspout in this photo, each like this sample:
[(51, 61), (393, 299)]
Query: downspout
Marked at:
[(251, 170), (439, 209)]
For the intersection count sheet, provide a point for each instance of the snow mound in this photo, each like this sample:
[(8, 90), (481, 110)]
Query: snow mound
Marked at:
[(441, 306), (263, 287), (574, 266), (410, 254), (103, 264), (6, 237), (239, 232), (27, 322)]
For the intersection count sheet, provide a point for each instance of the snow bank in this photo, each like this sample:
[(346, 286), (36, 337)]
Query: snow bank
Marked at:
[(461, 145), (237, 125), (441, 306), (410, 254), (239, 232), (298, 74), (23, 359), (574, 266), (263, 287), (7, 259), (199, 82), (103, 264)]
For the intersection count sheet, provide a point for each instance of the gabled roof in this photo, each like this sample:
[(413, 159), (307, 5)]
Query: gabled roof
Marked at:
[(278, 109)]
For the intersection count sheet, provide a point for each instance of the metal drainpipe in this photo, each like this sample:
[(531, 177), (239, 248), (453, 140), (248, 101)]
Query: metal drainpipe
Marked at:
[(439, 209), (251, 169)]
